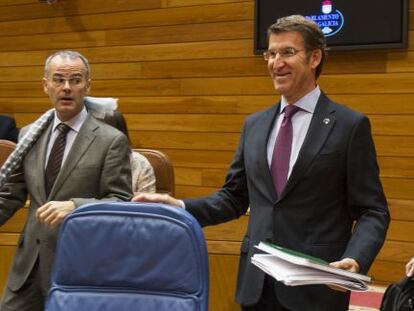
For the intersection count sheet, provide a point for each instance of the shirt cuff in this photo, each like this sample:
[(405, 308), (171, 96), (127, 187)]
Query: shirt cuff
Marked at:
[(182, 204)]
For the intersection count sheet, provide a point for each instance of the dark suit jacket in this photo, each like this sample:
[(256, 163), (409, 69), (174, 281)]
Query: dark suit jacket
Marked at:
[(96, 168), (8, 129), (334, 182)]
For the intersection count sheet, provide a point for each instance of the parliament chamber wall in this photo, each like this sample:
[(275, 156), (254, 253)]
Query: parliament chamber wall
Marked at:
[(186, 77)]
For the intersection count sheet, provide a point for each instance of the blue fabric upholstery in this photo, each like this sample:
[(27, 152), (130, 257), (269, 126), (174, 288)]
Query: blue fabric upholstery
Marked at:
[(130, 256)]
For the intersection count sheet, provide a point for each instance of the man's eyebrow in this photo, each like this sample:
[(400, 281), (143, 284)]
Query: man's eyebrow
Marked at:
[(75, 75)]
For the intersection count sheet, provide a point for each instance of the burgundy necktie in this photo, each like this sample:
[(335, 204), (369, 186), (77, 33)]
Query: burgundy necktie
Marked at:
[(55, 157), (282, 149)]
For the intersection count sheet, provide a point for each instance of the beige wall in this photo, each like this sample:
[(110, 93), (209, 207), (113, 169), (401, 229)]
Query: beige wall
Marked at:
[(186, 78)]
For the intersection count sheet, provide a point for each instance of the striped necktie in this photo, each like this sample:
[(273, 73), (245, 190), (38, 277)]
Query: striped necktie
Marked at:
[(55, 157)]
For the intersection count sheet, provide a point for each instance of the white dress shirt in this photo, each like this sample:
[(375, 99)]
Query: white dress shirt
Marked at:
[(300, 124), (75, 124)]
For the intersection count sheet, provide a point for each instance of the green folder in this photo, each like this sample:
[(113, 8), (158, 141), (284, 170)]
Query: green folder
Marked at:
[(301, 259)]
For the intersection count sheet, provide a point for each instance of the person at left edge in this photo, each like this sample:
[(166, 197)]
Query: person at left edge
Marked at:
[(409, 268), (95, 167), (8, 129)]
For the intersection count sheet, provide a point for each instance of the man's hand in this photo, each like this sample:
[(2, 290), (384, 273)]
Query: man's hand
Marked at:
[(54, 212), (344, 264), (409, 268), (157, 198)]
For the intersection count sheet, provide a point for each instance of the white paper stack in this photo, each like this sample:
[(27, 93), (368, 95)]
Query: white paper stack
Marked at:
[(295, 269)]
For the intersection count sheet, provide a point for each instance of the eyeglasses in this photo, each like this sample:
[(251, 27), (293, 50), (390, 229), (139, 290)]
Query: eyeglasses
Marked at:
[(283, 53), (74, 81)]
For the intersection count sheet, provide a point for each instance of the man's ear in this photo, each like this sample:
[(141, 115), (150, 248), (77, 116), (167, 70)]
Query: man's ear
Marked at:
[(316, 58), (88, 86), (45, 86)]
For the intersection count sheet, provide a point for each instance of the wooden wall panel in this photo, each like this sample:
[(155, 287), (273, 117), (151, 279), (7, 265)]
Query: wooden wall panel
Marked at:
[(223, 270), (395, 83), (396, 251), (15, 2), (396, 167), (371, 104), (36, 10), (130, 36), (252, 66), (152, 52), (130, 19), (15, 226), (402, 209), (186, 78), (6, 257)]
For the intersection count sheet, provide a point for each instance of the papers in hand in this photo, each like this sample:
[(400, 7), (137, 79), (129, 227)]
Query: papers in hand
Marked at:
[(294, 269)]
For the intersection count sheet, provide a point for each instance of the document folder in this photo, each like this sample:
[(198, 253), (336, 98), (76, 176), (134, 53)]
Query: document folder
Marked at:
[(294, 269)]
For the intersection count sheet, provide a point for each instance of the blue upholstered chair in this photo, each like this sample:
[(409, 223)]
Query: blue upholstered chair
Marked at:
[(130, 256)]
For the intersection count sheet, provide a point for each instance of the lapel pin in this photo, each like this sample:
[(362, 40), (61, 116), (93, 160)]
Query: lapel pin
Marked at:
[(326, 121)]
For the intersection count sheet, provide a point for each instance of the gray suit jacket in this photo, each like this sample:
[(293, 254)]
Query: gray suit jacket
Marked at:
[(96, 168), (334, 183)]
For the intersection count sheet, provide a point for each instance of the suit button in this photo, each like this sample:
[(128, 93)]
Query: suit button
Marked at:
[(37, 241)]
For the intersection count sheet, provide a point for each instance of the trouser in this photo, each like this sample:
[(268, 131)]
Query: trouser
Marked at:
[(268, 300), (29, 297)]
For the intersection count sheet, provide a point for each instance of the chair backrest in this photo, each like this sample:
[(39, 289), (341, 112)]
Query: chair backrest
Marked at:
[(130, 256), (6, 148), (163, 169)]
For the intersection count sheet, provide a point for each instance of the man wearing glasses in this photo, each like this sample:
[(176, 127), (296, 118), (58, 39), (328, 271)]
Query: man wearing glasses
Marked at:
[(307, 169), (74, 160)]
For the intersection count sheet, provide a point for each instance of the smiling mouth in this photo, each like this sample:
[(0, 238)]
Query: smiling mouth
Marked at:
[(281, 75)]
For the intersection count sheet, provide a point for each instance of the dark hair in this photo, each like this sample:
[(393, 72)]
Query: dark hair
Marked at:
[(313, 37)]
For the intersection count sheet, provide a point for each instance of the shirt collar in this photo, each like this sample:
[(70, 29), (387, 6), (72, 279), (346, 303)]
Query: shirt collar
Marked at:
[(75, 123), (306, 103)]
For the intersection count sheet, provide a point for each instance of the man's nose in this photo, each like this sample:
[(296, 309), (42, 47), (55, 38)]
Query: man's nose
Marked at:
[(277, 62), (66, 85)]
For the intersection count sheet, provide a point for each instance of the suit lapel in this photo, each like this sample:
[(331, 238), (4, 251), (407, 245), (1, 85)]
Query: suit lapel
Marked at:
[(266, 126), (36, 160), (79, 147), (321, 125)]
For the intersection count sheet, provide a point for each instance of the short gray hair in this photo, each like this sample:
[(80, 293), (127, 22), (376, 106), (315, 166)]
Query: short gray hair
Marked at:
[(71, 55)]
